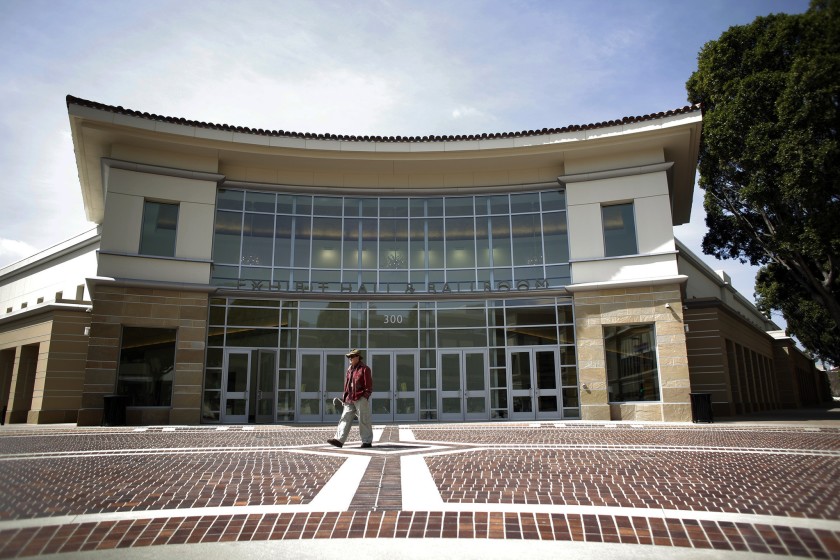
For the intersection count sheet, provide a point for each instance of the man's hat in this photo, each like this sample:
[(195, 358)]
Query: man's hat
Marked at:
[(354, 352)]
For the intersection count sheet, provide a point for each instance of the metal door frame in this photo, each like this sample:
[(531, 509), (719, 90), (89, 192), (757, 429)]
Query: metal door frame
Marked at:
[(271, 398), (534, 392), (235, 395), (253, 385), (326, 411), (393, 393), (464, 393)]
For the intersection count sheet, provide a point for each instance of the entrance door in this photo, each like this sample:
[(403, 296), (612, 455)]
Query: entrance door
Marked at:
[(320, 380), (250, 378), (532, 379), (236, 383), (266, 386), (462, 378), (394, 397)]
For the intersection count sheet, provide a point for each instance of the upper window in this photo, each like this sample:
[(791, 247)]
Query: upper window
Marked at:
[(160, 225), (632, 373), (619, 230)]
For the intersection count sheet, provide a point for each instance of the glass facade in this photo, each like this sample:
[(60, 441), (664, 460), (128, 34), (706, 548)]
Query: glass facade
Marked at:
[(294, 242), (474, 326), (518, 354)]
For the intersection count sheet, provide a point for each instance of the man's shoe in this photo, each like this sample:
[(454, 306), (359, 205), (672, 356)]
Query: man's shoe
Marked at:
[(335, 442), (366, 445)]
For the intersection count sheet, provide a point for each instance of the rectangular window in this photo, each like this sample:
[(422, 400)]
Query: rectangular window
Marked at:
[(147, 364), (632, 373), (159, 228), (619, 230)]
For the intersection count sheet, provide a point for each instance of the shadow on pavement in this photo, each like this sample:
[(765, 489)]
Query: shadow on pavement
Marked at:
[(827, 415)]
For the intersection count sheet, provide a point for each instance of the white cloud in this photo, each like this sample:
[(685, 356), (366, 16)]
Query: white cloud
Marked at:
[(13, 250), (380, 67), (465, 112)]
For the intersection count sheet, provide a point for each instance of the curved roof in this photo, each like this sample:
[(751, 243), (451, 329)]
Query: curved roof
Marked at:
[(367, 138), (102, 133)]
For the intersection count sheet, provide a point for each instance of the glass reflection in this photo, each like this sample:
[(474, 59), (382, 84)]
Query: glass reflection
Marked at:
[(302, 241), (326, 243), (227, 238), (431, 328), (230, 199), (462, 239), (460, 243)]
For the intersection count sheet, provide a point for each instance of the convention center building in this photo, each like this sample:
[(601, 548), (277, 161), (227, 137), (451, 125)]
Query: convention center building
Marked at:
[(523, 276)]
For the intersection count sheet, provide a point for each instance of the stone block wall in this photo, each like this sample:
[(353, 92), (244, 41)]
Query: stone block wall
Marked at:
[(61, 371), (116, 306), (595, 309)]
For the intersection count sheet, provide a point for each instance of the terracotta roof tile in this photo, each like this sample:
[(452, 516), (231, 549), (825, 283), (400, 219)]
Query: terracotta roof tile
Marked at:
[(368, 138)]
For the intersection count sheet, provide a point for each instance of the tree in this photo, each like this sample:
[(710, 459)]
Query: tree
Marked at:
[(770, 163)]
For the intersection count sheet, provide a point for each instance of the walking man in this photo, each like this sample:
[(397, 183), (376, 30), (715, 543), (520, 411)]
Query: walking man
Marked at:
[(358, 386)]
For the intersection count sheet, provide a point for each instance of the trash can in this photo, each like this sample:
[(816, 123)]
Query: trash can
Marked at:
[(701, 407), (113, 410)]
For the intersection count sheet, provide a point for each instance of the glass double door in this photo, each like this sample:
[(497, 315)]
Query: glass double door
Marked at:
[(249, 382), (462, 378), (395, 377), (320, 380), (533, 383)]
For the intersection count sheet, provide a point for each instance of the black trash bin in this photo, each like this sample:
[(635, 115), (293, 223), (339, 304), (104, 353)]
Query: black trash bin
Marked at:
[(113, 410), (701, 407)]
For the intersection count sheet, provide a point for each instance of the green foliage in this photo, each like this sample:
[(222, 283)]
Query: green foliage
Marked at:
[(805, 317), (770, 162)]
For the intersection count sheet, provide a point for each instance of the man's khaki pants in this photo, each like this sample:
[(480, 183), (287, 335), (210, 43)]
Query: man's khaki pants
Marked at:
[(360, 409)]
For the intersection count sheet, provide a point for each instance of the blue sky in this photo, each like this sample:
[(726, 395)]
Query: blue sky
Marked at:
[(386, 67)]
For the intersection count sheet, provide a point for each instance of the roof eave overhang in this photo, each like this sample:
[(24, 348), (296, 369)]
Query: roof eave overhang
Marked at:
[(95, 131)]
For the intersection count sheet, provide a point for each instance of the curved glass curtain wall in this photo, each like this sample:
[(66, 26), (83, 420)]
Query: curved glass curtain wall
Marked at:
[(296, 242), (428, 327)]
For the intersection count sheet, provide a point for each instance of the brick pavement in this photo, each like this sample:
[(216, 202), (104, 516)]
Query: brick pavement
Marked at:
[(755, 489)]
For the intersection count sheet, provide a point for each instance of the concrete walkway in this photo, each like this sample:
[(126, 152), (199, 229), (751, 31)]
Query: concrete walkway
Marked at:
[(733, 489)]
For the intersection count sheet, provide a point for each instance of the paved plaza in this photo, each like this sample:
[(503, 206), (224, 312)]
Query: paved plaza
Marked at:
[(545, 489)]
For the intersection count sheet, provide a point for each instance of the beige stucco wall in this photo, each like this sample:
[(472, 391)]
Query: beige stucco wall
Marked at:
[(654, 231), (127, 191), (597, 308), (706, 283), (392, 175), (648, 192), (625, 269), (151, 268), (44, 275), (170, 157), (608, 159)]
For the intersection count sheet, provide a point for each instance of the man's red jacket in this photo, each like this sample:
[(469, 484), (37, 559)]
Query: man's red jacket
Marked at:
[(358, 383)]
